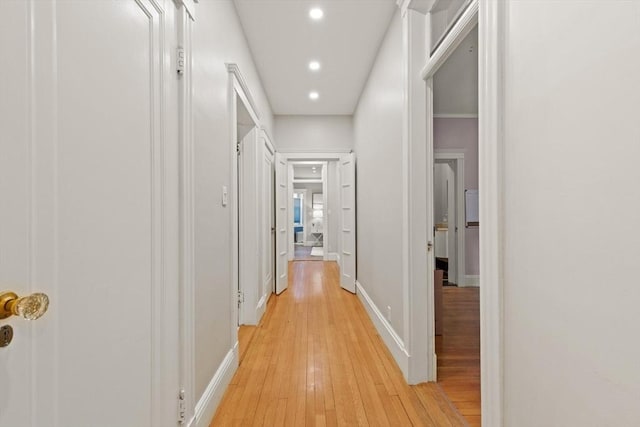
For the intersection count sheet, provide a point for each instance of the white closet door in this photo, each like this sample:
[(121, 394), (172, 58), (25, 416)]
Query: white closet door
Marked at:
[(348, 222), (282, 223), (89, 201)]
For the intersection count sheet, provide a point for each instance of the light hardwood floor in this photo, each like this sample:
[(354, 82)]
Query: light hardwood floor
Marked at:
[(458, 350), (316, 359)]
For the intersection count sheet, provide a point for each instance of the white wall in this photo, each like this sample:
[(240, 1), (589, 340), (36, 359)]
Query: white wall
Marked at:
[(314, 133), (378, 147), (217, 38), (571, 209)]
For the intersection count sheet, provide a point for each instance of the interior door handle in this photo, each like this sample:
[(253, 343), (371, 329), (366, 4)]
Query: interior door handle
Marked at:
[(30, 307)]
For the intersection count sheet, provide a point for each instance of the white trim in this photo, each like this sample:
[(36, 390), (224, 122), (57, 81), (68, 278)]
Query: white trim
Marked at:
[(390, 337), (455, 116), (457, 156), (307, 181), (313, 156), (460, 30), (452, 40), (187, 217), (415, 216), (422, 6), (314, 153), (208, 403), (247, 314), (449, 154), (245, 92), (262, 305), (470, 281), (492, 28), (189, 6), (325, 211), (333, 256)]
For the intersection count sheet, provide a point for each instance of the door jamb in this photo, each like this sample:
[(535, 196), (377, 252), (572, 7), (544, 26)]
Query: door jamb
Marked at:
[(458, 159), (315, 157), (237, 89), (491, 18), (185, 22)]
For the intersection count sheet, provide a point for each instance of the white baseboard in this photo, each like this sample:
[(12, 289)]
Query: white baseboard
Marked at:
[(208, 403), (470, 281), (394, 343), (333, 256), (262, 306)]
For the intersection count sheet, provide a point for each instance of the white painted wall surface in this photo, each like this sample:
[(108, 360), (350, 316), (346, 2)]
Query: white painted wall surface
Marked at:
[(572, 143), (217, 38), (378, 145), (314, 133)]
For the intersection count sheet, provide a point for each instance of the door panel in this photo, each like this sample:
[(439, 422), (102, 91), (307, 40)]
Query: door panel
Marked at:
[(282, 224), (268, 230), (95, 198), (348, 224)]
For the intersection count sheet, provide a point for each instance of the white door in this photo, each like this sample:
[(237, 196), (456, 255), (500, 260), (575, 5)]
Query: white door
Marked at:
[(348, 222), (89, 216), (282, 223), (268, 224)]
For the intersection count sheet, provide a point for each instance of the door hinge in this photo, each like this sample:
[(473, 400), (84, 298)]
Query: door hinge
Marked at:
[(180, 60), (240, 297), (182, 407), (238, 148), (429, 246)]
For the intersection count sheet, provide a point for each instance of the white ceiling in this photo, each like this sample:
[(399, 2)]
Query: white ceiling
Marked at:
[(283, 40), (455, 85), (306, 171)]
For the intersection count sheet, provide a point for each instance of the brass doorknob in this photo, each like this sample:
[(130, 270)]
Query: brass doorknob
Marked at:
[(31, 307)]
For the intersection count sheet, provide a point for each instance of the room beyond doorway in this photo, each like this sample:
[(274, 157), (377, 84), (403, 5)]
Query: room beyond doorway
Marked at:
[(310, 219)]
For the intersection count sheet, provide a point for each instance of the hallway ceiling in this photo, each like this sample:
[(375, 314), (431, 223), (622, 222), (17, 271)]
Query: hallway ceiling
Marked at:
[(284, 40)]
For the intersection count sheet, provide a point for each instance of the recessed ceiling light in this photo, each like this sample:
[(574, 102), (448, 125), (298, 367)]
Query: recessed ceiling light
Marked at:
[(314, 65), (316, 13), (314, 95)]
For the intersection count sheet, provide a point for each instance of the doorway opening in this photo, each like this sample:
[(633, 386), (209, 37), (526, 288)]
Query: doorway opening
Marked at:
[(310, 218), (454, 193), (246, 145), (316, 211)]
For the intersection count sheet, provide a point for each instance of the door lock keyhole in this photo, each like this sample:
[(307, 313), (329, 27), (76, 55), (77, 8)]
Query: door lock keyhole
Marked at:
[(6, 335)]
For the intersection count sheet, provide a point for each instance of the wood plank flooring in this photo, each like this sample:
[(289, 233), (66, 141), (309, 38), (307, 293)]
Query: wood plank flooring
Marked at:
[(317, 360), (458, 350)]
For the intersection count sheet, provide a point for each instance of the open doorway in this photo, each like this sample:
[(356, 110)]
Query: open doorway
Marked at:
[(310, 219), (326, 222), (246, 145), (456, 227)]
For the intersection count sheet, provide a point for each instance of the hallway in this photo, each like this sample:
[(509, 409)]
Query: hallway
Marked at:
[(316, 359)]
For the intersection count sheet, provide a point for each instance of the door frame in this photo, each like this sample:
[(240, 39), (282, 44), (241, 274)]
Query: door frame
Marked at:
[(315, 157), (266, 148), (491, 19), (291, 189), (457, 159), (237, 90), (185, 22)]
